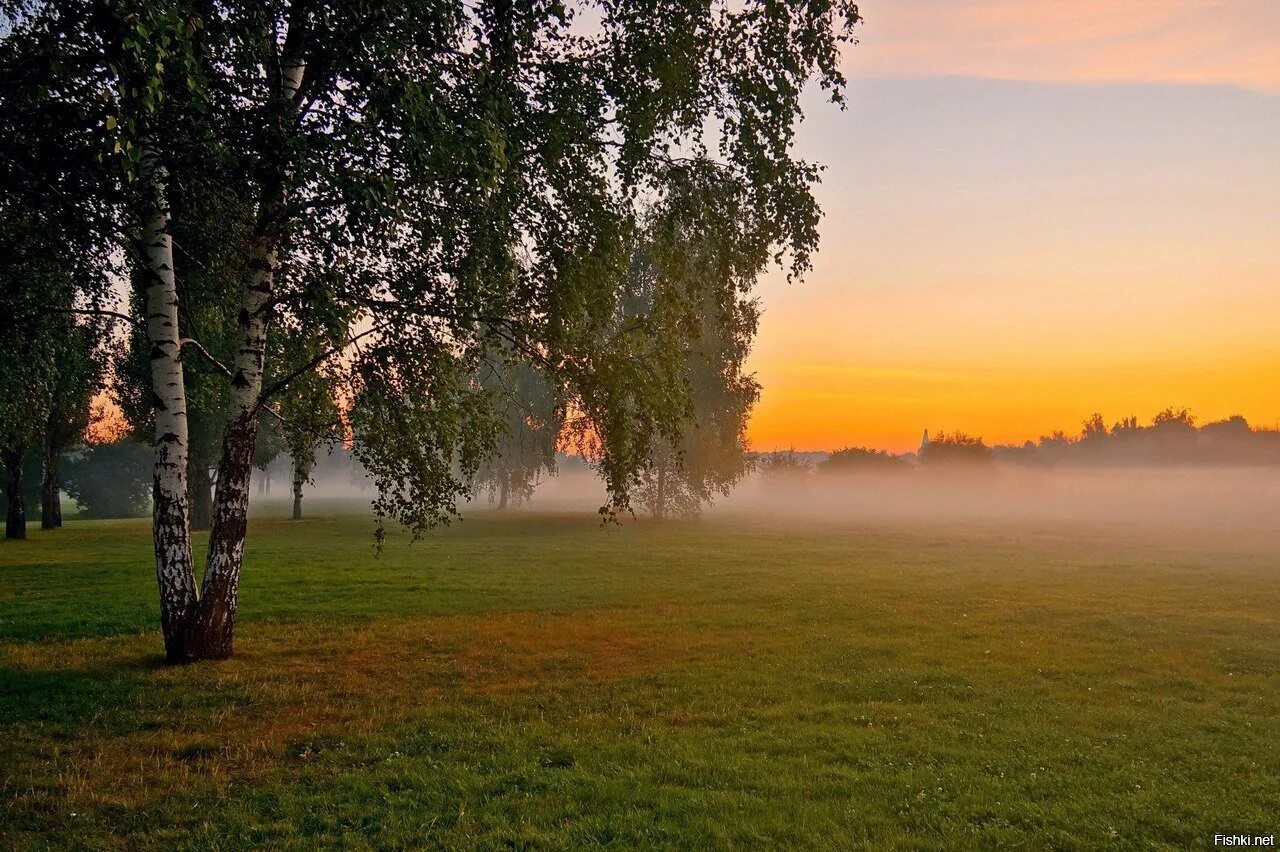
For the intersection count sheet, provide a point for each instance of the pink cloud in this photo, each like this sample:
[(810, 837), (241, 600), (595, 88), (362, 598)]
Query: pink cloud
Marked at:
[(1233, 42)]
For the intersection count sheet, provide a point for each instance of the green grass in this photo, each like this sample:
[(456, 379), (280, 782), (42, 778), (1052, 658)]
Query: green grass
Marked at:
[(541, 682)]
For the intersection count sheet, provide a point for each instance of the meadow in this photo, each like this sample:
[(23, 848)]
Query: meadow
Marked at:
[(535, 680)]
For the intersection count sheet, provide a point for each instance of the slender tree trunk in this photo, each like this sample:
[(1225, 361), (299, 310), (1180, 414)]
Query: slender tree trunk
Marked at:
[(220, 587), (170, 531), (201, 488), (51, 486), (214, 625), (299, 479), (215, 622), (660, 503), (503, 492), (15, 519)]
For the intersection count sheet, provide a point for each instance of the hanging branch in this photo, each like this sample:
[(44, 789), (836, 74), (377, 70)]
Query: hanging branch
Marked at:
[(206, 354), (99, 312)]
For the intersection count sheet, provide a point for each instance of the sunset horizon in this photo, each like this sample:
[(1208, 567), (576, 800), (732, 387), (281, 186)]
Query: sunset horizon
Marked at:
[(1034, 212)]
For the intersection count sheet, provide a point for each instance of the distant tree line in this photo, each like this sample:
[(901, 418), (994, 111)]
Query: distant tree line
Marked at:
[(1172, 438)]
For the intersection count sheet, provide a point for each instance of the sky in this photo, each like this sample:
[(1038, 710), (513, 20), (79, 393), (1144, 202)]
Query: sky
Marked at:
[(1034, 210)]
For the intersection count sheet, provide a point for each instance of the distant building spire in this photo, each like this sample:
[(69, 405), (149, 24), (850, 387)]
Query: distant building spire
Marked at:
[(924, 442)]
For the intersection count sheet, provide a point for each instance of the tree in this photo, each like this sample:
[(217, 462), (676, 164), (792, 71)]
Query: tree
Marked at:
[(210, 215), (51, 371), (55, 202), (1181, 418), (25, 381), (709, 454), (303, 458), (1173, 435), (784, 467), (1095, 428), (110, 480), (862, 460), (463, 175), (309, 418), (530, 422), (957, 449), (269, 445), (77, 371), (51, 368), (1172, 439), (1125, 425)]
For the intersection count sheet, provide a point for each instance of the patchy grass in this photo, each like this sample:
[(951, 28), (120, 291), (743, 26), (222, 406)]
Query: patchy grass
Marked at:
[(538, 681)]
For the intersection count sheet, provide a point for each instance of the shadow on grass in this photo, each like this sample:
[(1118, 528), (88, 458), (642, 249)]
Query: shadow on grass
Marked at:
[(73, 696)]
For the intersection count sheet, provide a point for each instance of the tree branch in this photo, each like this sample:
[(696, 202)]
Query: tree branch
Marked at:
[(283, 382), (506, 328), (207, 355), (99, 312), (284, 421)]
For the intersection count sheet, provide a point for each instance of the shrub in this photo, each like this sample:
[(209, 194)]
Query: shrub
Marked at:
[(956, 448), (110, 480), (862, 460), (785, 465)]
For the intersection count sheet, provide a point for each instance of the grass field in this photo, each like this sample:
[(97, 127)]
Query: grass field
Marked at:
[(538, 681)]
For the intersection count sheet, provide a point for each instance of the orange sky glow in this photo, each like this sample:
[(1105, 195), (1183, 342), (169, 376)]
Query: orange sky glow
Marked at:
[(1036, 209)]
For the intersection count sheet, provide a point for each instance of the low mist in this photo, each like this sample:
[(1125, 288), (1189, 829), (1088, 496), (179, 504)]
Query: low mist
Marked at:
[(1190, 496), (1190, 499)]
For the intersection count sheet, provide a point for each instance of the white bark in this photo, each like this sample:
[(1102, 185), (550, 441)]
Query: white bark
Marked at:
[(221, 582), (172, 537), (231, 499)]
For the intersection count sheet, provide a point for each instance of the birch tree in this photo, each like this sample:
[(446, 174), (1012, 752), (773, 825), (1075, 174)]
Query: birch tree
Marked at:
[(530, 420), (708, 456), (210, 218), (396, 153)]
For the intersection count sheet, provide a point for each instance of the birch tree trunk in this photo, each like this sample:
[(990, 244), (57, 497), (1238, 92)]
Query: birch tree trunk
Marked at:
[(51, 486), (170, 531), (214, 625), (15, 518), (215, 621), (660, 497), (299, 479), (503, 490)]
